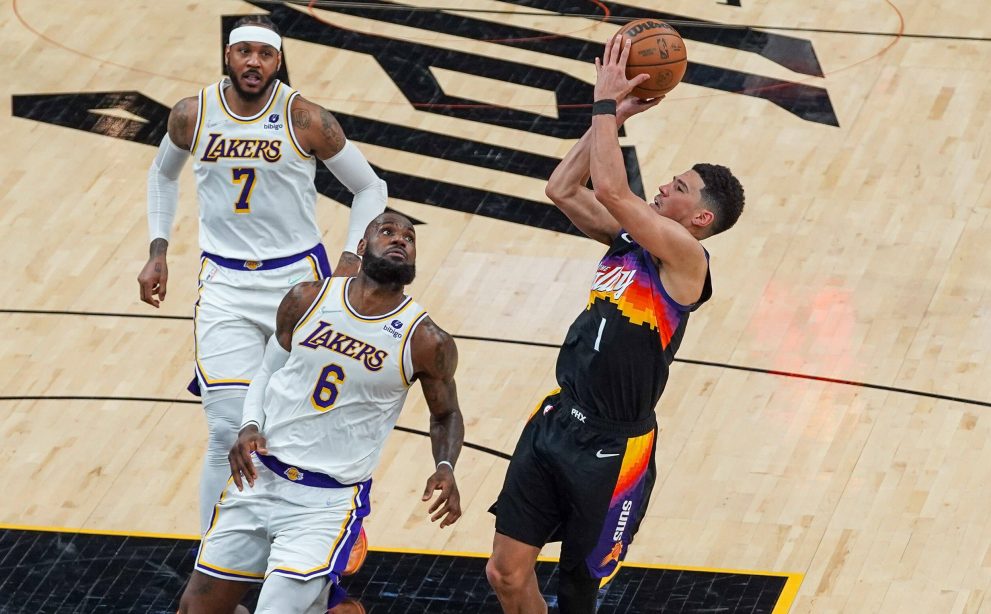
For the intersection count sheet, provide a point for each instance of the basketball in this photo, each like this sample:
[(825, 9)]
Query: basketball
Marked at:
[(657, 50)]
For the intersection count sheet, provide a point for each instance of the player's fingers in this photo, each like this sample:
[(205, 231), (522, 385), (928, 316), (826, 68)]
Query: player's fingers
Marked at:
[(429, 490), (439, 514), (441, 500), (611, 50), (161, 285), (637, 80), (605, 51), (235, 470), (453, 513), (451, 518), (144, 288), (624, 52)]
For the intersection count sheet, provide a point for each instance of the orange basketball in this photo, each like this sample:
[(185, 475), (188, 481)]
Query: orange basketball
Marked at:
[(657, 50)]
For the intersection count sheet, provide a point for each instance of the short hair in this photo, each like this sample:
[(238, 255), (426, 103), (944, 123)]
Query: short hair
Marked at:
[(257, 20), (722, 194)]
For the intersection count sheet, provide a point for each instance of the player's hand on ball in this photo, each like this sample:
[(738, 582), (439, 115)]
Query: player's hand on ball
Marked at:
[(631, 105), (447, 506), (248, 440), (610, 80)]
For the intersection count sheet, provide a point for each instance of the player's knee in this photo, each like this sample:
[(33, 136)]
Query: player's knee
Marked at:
[(505, 578), (577, 591)]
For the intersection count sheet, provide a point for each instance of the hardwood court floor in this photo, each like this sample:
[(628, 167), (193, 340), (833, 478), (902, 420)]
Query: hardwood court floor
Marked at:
[(829, 416)]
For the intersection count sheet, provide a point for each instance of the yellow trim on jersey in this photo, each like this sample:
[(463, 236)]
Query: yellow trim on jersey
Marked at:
[(231, 572), (289, 129), (213, 525), (196, 351), (200, 118), (333, 548), (316, 303), (357, 316), (541, 402), (316, 268), (402, 347), (253, 119)]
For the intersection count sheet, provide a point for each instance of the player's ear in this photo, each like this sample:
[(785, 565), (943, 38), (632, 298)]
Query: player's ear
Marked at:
[(361, 247), (704, 217)]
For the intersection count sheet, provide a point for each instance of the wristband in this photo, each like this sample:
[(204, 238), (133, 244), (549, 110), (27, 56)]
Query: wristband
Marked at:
[(445, 463), (606, 106)]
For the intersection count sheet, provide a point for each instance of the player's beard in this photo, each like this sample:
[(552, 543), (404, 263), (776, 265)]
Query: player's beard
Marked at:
[(250, 96), (387, 272)]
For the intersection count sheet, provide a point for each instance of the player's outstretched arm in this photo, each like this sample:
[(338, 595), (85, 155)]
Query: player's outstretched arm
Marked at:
[(319, 133), (567, 184), (435, 358), (250, 438), (163, 198)]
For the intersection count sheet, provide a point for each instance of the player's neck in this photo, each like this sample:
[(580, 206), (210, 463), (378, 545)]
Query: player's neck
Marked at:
[(247, 107), (371, 298)]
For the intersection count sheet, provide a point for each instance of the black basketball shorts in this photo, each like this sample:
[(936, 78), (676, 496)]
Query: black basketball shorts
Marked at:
[(580, 480)]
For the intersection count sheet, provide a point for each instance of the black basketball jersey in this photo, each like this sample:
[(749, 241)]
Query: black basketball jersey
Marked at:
[(614, 361)]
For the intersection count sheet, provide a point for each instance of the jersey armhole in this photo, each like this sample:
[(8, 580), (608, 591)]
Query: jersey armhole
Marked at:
[(324, 291), (406, 355), (290, 130), (200, 114)]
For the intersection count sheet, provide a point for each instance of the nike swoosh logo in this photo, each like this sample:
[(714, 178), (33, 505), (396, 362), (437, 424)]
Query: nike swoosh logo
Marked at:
[(293, 281), (626, 237), (601, 455)]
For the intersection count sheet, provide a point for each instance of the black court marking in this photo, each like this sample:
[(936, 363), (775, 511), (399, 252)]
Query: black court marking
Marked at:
[(80, 573), (404, 429), (704, 363)]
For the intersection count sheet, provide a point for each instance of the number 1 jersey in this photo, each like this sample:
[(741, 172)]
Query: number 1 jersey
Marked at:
[(614, 361)]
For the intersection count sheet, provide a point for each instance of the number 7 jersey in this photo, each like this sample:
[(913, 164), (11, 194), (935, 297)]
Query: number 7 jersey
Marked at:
[(330, 408), (253, 181)]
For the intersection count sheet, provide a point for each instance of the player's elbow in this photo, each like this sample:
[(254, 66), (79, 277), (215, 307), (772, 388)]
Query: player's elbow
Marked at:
[(609, 194), (376, 185), (558, 192)]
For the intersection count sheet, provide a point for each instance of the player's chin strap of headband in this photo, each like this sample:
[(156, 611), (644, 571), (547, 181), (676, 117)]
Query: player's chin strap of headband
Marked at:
[(255, 34)]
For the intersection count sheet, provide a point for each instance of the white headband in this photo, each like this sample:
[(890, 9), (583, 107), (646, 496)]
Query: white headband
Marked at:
[(255, 34)]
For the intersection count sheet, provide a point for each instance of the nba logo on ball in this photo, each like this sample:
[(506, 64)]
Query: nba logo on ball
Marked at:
[(656, 50)]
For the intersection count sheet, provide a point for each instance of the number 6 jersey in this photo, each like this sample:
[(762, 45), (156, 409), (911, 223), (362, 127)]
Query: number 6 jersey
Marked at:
[(253, 181), (330, 408)]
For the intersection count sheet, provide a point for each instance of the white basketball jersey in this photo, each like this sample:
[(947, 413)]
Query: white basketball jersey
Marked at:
[(330, 408), (254, 182)]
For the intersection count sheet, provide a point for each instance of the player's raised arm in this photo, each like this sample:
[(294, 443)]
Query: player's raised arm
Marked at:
[(567, 184), (163, 198), (250, 438), (665, 238), (435, 358), (321, 135)]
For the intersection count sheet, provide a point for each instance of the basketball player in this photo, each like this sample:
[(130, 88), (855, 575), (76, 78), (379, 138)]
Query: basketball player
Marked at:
[(329, 391), (583, 469), (255, 143)]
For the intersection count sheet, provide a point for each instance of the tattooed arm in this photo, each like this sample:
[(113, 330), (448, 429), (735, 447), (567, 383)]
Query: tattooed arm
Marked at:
[(319, 134), (435, 358)]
